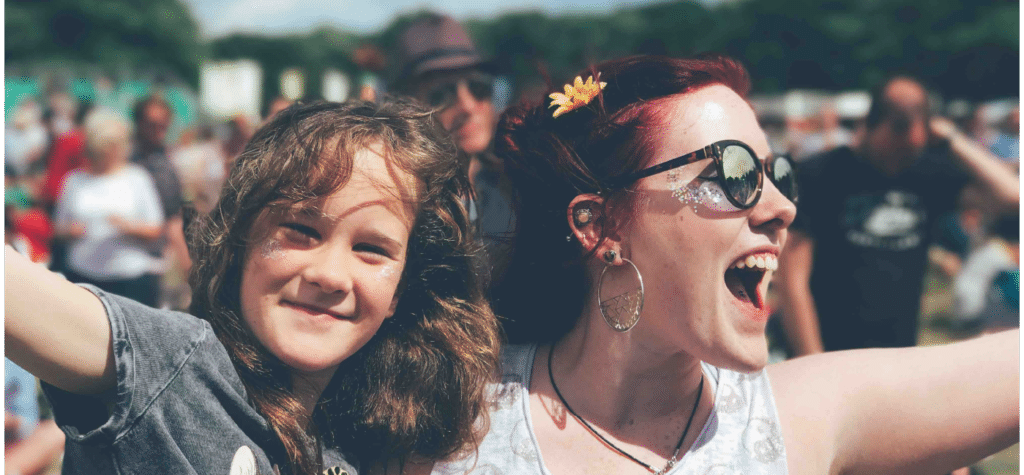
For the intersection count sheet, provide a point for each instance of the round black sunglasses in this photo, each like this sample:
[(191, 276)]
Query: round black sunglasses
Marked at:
[(740, 173)]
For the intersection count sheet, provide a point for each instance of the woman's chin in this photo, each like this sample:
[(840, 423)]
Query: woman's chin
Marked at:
[(747, 355)]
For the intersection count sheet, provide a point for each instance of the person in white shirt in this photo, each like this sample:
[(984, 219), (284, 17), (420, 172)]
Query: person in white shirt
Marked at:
[(109, 213)]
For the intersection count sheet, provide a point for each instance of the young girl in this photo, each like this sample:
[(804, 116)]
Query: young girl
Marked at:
[(335, 306)]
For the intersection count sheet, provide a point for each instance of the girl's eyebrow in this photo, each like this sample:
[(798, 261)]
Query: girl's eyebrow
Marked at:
[(388, 241), (312, 211)]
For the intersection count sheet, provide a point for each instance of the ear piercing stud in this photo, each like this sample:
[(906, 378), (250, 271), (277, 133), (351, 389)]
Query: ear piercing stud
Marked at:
[(582, 217), (609, 256)]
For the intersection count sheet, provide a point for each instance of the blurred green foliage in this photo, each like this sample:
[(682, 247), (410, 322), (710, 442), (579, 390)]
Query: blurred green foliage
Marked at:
[(968, 50), (151, 35)]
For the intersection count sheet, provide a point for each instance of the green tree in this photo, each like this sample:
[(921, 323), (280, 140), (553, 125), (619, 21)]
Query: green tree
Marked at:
[(158, 35)]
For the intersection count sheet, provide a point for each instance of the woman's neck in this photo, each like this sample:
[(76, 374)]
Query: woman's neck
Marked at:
[(622, 378)]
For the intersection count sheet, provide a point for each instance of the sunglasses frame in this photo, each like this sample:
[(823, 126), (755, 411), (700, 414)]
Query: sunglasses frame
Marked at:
[(451, 88), (713, 151)]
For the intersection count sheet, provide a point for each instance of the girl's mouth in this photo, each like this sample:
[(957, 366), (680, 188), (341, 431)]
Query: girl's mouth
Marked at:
[(745, 276)]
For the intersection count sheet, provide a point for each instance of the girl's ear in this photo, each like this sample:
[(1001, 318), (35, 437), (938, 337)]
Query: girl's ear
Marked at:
[(588, 223)]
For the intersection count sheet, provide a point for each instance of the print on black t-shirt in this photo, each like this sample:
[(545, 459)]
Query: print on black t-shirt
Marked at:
[(892, 220)]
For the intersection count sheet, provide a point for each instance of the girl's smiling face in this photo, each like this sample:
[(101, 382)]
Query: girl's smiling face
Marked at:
[(318, 282), (686, 245)]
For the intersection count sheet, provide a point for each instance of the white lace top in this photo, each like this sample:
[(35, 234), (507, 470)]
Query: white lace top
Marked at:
[(741, 436)]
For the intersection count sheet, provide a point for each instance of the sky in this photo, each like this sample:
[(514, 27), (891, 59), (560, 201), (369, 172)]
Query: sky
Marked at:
[(273, 17)]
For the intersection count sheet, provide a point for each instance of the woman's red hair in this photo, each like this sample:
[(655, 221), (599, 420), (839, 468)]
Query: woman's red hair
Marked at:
[(552, 160)]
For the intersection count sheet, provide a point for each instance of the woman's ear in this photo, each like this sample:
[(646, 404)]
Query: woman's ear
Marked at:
[(588, 222)]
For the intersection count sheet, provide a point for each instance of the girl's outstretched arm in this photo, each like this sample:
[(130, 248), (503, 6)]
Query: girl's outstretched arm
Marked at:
[(907, 410), (56, 330)]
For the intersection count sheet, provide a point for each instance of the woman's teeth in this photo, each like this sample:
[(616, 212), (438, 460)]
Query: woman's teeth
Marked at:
[(758, 261)]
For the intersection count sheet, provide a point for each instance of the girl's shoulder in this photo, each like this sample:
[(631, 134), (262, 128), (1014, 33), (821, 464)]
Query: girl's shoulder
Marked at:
[(143, 321)]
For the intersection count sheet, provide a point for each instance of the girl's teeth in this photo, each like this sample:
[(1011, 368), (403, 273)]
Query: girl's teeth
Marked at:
[(766, 261)]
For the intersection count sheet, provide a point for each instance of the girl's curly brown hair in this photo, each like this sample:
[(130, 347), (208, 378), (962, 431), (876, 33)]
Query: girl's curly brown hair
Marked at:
[(417, 387)]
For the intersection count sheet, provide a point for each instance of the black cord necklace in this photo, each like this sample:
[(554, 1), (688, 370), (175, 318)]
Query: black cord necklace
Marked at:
[(679, 445)]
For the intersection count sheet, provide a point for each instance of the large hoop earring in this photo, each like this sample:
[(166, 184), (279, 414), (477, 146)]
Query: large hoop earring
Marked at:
[(622, 312)]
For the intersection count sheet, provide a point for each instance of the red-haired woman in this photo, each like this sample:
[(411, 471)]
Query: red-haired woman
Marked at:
[(651, 216)]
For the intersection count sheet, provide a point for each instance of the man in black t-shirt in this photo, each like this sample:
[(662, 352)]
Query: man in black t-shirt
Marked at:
[(852, 272)]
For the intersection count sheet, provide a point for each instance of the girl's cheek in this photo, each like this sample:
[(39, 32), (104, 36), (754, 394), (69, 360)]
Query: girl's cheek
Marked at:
[(271, 249), (388, 274)]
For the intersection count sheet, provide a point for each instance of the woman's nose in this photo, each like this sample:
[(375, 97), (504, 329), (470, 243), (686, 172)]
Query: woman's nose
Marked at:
[(773, 209)]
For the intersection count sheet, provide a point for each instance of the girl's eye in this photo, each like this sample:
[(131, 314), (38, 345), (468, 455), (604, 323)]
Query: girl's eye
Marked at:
[(300, 232), (363, 247)]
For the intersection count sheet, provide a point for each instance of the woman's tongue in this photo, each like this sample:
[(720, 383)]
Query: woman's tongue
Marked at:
[(744, 285)]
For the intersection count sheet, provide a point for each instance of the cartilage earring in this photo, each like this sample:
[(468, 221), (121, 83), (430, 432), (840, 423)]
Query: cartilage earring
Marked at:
[(582, 217), (609, 256), (621, 312)]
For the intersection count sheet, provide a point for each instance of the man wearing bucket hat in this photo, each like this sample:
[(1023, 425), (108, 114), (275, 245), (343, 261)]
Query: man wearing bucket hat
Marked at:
[(440, 66)]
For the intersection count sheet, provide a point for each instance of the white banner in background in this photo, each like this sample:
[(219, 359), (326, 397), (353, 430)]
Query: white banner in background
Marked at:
[(231, 88), (336, 85)]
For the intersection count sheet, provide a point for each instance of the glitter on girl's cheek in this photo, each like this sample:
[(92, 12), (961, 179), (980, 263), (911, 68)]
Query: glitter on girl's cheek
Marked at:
[(707, 194), (271, 249), (387, 272)]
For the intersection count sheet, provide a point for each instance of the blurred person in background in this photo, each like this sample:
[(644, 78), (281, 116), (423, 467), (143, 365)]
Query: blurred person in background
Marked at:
[(239, 131), (25, 138), (201, 166), (828, 134), (441, 67), (371, 62), (987, 288), (852, 273), (31, 445), (66, 154), (62, 112), (276, 105), (153, 116), (978, 126), (152, 119), (1006, 145), (110, 215), (28, 230)]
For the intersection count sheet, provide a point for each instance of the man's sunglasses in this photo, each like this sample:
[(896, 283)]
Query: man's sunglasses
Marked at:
[(740, 173), (445, 94)]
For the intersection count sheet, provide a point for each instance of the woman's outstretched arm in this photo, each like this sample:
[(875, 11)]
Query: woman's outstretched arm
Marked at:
[(908, 410), (56, 330)]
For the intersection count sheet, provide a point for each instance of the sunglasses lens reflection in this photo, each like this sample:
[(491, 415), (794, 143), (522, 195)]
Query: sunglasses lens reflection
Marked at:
[(784, 177), (741, 174)]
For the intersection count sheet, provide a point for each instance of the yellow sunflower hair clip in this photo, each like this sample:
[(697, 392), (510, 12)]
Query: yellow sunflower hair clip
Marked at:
[(576, 95)]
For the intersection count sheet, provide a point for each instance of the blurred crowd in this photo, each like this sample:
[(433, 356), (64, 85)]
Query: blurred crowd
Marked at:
[(102, 195)]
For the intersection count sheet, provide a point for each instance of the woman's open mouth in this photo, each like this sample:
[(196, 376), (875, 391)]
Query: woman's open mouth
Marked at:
[(745, 276)]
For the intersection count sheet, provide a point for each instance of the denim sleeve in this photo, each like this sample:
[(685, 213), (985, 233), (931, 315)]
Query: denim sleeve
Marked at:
[(150, 348)]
